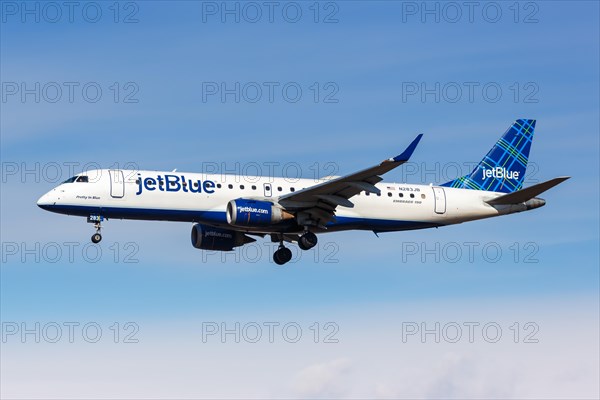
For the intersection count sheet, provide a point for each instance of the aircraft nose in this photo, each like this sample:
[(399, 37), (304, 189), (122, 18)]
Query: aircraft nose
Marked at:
[(46, 201)]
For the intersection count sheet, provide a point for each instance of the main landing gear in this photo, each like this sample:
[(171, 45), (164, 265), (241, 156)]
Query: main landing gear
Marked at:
[(97, 237), (282, 255), (306, 242)]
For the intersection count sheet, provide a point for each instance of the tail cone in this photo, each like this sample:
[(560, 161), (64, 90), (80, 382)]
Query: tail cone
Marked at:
[(535, 203)]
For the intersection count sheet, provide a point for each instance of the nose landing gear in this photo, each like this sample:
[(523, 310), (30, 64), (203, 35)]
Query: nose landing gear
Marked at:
[(97, 237), (96, 220)]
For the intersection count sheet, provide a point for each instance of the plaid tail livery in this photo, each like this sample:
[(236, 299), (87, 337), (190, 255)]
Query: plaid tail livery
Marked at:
[(503, 168)]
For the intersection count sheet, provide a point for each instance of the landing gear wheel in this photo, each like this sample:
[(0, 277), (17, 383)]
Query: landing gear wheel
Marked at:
[(307, 241), (96, 238), (282, 256)]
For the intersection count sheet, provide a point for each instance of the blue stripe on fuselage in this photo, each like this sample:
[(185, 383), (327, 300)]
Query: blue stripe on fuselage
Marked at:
[(218, 218)]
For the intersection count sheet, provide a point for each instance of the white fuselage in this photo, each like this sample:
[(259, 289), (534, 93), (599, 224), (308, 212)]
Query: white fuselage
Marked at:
[(193, 197)]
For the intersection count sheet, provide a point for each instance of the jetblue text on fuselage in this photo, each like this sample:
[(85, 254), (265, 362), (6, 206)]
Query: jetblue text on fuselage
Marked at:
[(174, 183)]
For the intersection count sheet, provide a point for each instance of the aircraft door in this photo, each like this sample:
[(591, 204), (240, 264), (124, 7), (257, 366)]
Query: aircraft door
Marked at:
[(117, 183), (439, 197)]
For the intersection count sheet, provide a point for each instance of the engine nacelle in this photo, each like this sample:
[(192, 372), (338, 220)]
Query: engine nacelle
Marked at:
[(211, 238), (255, 213)]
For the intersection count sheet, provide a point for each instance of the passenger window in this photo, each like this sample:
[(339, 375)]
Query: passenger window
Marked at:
[(242, 187), (412, 195), (292, 190), (253, 187), (401, 194), (218, 186), (389, 194), (230, 186)]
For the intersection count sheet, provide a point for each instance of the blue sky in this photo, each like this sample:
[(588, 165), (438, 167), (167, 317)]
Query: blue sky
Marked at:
[(546, 66)]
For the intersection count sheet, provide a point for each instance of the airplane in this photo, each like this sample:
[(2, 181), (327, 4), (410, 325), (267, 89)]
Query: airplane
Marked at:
[(227, 214)]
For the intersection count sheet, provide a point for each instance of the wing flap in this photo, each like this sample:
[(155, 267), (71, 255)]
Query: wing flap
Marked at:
[(365, 187), (335, 200)]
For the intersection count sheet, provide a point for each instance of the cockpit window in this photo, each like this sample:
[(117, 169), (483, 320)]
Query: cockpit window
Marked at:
[(82, 178), (70, 180)]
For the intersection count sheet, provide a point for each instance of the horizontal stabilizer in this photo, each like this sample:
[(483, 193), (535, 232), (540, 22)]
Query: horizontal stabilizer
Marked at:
[(521, 196)]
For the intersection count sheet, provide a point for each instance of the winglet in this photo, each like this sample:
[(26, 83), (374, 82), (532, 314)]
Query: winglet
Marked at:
[(409, 150)]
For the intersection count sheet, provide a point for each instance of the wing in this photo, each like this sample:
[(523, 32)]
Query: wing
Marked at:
[(316, 205)]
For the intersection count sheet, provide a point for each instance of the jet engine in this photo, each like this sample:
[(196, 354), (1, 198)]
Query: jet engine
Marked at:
[(255, 213), (210, 238)]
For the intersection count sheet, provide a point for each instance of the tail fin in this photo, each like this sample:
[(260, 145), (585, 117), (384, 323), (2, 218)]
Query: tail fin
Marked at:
[(503, 168)]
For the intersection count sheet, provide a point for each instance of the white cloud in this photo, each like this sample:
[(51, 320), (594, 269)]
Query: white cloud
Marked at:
[(370, 360), (324, 380)]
